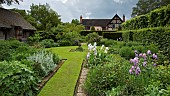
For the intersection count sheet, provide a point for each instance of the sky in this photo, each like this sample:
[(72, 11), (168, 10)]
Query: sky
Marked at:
[(89, 9)]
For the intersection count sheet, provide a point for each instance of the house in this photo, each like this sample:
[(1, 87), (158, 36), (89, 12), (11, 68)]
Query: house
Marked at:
[(102, 24), (13, 25)]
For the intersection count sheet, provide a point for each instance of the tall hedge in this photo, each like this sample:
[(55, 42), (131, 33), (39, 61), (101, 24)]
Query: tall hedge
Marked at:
[(158, 35), (156, 18)]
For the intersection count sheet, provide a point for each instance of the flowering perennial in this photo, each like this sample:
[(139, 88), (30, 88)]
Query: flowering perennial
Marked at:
[(141, 60)]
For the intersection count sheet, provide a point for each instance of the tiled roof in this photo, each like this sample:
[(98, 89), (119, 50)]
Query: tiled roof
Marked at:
[(9, 19), (95, 22)]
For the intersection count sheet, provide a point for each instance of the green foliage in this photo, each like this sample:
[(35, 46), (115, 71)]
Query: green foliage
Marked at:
[(44, 62), (112, 35), (99, 80), (104, 77), (16, 79), (145, 6), (93, 37), (45, 16), (84, 32), (92, 28), (126, 52), (156, 18), (106, 42), (160, 36), (14, 50), (75, 21), (48, 43)]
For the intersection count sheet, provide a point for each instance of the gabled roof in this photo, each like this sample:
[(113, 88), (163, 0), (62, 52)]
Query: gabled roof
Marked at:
[(9, 19), (114, 18), (95, 22)]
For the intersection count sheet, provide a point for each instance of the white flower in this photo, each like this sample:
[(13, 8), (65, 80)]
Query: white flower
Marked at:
[(95, 52), (95, 44), (102, 47), (90, 47), (107, 48), (88, 55)]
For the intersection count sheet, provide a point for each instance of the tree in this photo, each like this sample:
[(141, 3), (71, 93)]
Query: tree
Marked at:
[(44, 16), (75, 21), (92, 28), (145, 6), (9, 2)]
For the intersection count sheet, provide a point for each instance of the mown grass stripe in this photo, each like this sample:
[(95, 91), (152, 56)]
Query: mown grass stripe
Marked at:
[(64, 81)]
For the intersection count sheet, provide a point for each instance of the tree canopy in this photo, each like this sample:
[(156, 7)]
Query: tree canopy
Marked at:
[(145, 6), (44, 16), (9, 2)]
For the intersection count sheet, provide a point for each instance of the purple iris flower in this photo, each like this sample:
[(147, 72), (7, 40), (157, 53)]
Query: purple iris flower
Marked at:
[(155, 56), (149, 52), (140, 55), (144, 63)]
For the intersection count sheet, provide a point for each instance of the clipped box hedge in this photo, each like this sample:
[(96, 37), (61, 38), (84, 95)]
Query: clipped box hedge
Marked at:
[(112, 35), (156, 18), (85, 32), (158, 35)]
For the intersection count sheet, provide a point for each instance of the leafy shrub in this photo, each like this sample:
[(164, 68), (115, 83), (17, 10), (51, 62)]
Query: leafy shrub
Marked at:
[(99, 80), (104, 77), (106, 42), (16, 79), (14, 50), (93, 37), (65, 42), (44, 62), (126, 52), (48, 43)]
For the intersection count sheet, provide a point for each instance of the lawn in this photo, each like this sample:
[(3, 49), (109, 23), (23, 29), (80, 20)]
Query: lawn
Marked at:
[(64, 81)]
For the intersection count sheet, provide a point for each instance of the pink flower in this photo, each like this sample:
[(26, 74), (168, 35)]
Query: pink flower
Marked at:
[(131, 71), (144, 63), (140, 55), (144, 56), (155, 56), (131, 61), (149, 52)]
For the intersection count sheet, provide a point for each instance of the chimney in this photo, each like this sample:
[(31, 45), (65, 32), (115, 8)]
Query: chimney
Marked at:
[(123, 18), (81, 19)]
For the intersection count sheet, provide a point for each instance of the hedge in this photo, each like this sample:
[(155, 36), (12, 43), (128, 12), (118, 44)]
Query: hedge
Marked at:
[(156, 18), (84, 33), (158, 35), (112, 35)]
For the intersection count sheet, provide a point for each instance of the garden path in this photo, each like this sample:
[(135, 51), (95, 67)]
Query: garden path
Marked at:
[(64, 81), (80, 91)]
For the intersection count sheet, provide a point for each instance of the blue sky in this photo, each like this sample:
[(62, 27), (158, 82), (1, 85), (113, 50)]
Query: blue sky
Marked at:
[(93, 9)]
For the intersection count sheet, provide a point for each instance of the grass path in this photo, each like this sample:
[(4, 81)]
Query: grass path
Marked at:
[(64, 81)]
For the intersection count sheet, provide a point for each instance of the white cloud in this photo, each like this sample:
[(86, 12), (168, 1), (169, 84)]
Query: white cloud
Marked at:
[(72, 9)]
